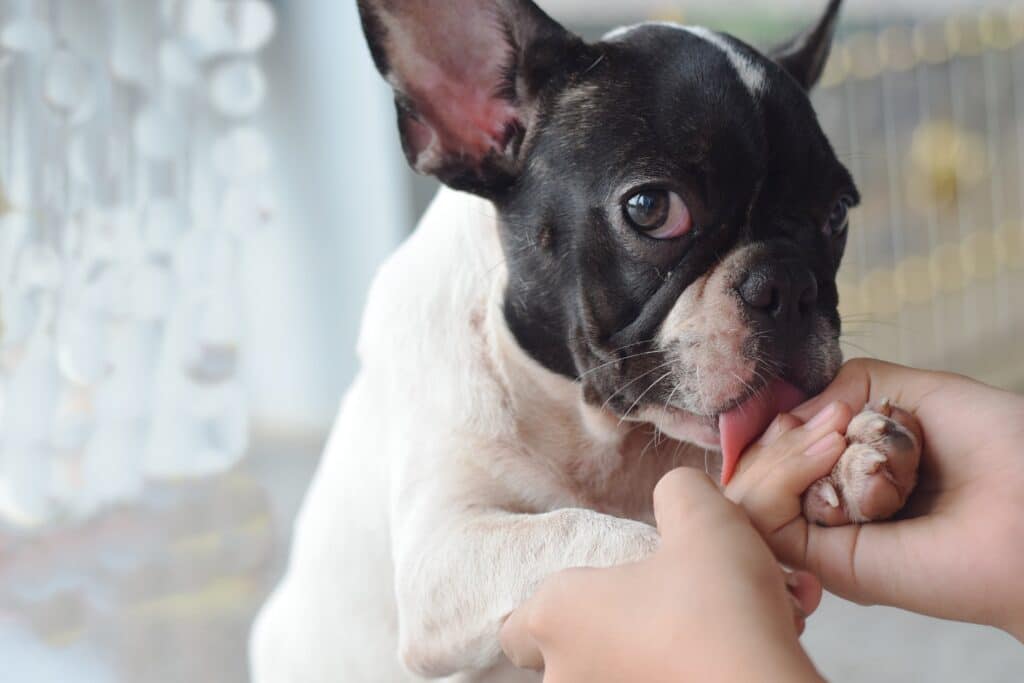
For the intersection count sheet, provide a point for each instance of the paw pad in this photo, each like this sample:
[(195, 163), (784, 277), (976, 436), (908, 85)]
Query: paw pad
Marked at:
[(875, 474)]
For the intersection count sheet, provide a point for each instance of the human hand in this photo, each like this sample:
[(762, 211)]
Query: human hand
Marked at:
[(778, 468), (711, 605), (959, 552)]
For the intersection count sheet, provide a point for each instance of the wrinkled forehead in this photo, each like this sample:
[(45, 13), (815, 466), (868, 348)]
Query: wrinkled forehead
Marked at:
[(664, 92), (664, 95), (710, 77), (714, 56)]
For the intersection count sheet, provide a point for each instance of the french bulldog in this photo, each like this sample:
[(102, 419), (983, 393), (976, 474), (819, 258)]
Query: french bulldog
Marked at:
[(632, 268)]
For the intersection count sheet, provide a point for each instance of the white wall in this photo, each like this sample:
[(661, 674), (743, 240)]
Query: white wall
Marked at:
[(590, 11), (344, 207)]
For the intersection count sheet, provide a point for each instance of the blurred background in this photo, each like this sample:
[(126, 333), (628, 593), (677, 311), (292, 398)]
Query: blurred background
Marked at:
[(194, 195)]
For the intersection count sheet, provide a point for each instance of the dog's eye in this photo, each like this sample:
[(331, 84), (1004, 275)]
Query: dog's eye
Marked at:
[(839, 219), (659, 214)]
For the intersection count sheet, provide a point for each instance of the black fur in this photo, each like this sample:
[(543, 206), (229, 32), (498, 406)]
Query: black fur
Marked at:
[(659, 107)]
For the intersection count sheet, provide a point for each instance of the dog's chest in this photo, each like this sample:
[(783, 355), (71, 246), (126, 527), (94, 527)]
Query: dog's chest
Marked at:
[(614, 476)]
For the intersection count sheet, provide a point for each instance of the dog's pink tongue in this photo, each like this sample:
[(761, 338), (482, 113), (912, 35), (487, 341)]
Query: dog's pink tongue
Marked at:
[(744, 423)]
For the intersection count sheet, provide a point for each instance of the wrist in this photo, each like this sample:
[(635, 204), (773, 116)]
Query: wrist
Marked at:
[(770, 659), (786, 663), (1016, 629)]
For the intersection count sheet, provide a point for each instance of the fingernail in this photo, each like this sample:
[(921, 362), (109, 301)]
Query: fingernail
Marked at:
[(830, 444), (822, 417)]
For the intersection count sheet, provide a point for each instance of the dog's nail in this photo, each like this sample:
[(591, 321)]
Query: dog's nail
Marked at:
[(879, 425), (828, 492), (875, 460)]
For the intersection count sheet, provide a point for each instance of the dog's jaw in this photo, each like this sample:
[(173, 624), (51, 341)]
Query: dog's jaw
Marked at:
[(699, 430)]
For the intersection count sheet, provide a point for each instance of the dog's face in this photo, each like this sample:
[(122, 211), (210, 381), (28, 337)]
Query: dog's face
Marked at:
[(672, 214)]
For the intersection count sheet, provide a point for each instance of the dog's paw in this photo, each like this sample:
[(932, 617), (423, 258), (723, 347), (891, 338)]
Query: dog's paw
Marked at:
[(875, 474)]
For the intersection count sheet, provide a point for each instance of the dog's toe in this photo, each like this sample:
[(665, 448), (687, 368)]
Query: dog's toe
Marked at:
[(823, 506), (875, 474)]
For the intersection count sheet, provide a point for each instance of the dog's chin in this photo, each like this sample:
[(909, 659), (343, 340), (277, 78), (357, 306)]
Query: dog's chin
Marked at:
[(700, 430)]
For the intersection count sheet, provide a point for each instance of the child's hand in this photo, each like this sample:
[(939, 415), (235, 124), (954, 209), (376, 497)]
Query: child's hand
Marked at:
[(709, 605), (776, 470), (957, 551)]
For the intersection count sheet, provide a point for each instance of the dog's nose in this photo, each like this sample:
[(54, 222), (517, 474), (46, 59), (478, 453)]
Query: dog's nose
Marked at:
[(780, 294)]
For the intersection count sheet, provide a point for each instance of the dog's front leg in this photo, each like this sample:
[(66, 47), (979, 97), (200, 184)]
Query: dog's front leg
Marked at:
[(456, 585)]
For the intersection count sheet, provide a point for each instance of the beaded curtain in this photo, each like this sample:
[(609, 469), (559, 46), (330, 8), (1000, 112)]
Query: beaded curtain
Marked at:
[(131, 171)]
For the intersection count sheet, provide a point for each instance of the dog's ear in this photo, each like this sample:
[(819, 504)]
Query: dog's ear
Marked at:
[(805, 55), (466, 76)]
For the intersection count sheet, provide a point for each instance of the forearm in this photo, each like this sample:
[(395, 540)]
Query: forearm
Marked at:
[(773, 663), (1016, 629), (456, 586), (760, 655)]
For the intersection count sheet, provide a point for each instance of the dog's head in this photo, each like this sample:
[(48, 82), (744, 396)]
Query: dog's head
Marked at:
[(672, 214)]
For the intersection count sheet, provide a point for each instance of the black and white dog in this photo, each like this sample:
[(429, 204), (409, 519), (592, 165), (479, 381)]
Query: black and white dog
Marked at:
[(633, 265)]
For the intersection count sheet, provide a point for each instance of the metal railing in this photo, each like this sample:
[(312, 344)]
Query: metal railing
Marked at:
[(930, 119)]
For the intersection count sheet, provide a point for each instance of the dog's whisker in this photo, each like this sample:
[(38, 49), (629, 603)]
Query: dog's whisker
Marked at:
[(675, 453), (746, 385), (652, 440), (878, 322), (641, 396), (618, 360), (856, 347), (633, 381), (624, 346), (671, 395)]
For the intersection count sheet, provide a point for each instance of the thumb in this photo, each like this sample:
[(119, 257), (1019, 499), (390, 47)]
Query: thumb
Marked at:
[(518, 643), (862, 381), (683, 494), (873, 563)]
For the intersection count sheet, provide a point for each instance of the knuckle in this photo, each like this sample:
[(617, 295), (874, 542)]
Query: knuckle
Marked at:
[(856, 365), (786, 422), (422, 660), (546, 604)]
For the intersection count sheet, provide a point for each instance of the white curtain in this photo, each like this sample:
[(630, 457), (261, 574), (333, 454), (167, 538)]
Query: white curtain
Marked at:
[(190, 223)]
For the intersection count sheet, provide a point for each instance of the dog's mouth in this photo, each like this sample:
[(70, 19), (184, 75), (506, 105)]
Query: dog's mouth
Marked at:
[(747, 419), (737, 424)]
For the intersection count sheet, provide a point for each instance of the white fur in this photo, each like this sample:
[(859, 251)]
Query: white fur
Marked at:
[(459, 475), (749, 72)]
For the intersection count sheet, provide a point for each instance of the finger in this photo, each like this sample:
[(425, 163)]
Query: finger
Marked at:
[(804, 594), (763, 461), (518, 643), (753, 456), (783, 422), (680, 493), (833, 417), (876, 563), (852, 386), (806, 588), (863, 381), (774, 502)]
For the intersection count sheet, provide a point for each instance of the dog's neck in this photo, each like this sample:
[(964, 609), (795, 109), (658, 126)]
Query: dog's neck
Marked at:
[(609, 463)]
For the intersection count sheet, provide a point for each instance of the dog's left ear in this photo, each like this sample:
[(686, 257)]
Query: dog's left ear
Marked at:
[(804, 56), (467, 76)]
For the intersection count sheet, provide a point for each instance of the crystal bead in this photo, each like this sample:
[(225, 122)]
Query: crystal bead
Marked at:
[(26, 35), (68, 87), (238, 88), (241, 153)]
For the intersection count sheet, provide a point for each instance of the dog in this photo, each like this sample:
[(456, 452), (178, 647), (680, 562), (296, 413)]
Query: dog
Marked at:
[(631, 268)]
